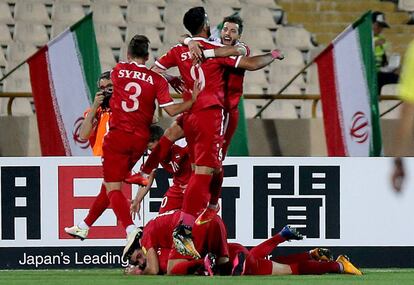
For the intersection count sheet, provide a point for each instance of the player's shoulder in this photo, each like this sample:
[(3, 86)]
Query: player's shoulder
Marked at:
[(208, 43)]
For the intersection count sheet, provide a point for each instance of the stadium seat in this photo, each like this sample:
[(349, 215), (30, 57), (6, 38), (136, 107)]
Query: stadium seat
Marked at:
[(123, 3), (5, 14), (258, 38), (293, 37), (3, 61), (158, 3), (281, 74), (59, 27), (389, 89), (252, 88), (18, 51), (252, 106), (151, 32), (216, 13), (257, 17), (82, 2), (406, 5), (144, 13), (174, 14), (108, 13), (312, 80), (172, 34), (21, 72), (5, 35), (106, 56), (265, 3), (229, 3), (32, 12), (286, 109), (292, 56), (31, 33), (67, 12), (191, 3), (255, 77), (108, 35)]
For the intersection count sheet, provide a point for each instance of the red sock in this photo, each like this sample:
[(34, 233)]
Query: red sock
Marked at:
[(265, 248), (293, 258), (159, 153), (215, 187), (186, 267), (121, 207), (257, 266), (98, 207), (197, 194), (315, 267)]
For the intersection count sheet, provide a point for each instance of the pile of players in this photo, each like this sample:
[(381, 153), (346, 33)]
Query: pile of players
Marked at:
[(184, 235)]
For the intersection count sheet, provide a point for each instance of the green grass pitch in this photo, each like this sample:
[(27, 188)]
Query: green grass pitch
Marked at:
[(112, 276)]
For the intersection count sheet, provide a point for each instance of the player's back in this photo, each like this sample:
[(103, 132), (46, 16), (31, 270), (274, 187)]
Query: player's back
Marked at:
[(133, 101), (209, 73), (178, 162)]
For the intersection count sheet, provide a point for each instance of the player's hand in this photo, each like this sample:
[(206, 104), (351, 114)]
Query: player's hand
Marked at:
[(135, 209), (196, 89), (177, 83), (196, 52), (398, 174), (277, 54), (99, 97), (133, 270)]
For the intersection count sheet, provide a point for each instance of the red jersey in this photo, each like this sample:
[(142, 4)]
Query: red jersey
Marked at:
[(209, 73), (133, 101), (234, 84), (158, 231), (178, 163)]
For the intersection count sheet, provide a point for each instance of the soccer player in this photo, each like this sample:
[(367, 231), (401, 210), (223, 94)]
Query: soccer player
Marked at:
[(178, 164), (151, 249), (135, 90), (205, 139)]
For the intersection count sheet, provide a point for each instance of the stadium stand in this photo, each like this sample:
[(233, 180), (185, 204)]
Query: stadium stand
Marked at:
[(27, 24)]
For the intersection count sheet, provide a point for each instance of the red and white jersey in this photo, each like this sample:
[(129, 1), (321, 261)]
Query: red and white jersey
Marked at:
[(209, 73), (234, 84), (178, 163), (133, 101)]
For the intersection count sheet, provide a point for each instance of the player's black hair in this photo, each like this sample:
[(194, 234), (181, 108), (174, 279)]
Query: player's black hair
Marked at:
[(104, 75), (156, 132), (194, 20), (138, 46), (236, 20)]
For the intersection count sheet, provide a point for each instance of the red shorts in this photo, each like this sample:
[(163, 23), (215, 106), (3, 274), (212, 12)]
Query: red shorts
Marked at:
[(121, 150), (232, 119), (209, 237), (204, 132), (173, 199)]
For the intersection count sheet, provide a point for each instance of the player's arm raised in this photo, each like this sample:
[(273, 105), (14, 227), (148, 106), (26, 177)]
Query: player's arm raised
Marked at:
[(178, 108), (259, 61)]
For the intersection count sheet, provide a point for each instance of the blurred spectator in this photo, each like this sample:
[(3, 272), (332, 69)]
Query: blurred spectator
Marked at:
[(95, 125), (406, 122), (386, 70)]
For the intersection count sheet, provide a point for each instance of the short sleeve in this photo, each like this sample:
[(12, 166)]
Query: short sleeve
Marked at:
[(163, 94), (231, 61), (167, 60)]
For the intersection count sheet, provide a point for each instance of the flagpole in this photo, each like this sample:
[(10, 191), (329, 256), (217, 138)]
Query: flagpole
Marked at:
[(284, 87), (13, 70), (391, 109)]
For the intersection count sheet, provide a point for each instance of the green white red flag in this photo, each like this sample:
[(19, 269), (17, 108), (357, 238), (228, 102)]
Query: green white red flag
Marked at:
[(348, 84), (63, 76)]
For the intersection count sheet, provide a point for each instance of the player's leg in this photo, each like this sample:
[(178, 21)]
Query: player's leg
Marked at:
[(99, 205), (120, 151), (207, 140), (318, 254), (159, 153)]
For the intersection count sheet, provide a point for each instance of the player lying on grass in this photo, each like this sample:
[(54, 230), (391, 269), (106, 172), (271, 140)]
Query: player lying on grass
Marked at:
[(150, 254)]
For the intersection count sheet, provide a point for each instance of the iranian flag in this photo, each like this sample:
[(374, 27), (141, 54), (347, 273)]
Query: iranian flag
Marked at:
[(348, 84), (63, 76)]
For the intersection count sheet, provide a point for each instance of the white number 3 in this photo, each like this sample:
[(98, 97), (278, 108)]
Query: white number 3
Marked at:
[(133, 97)]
